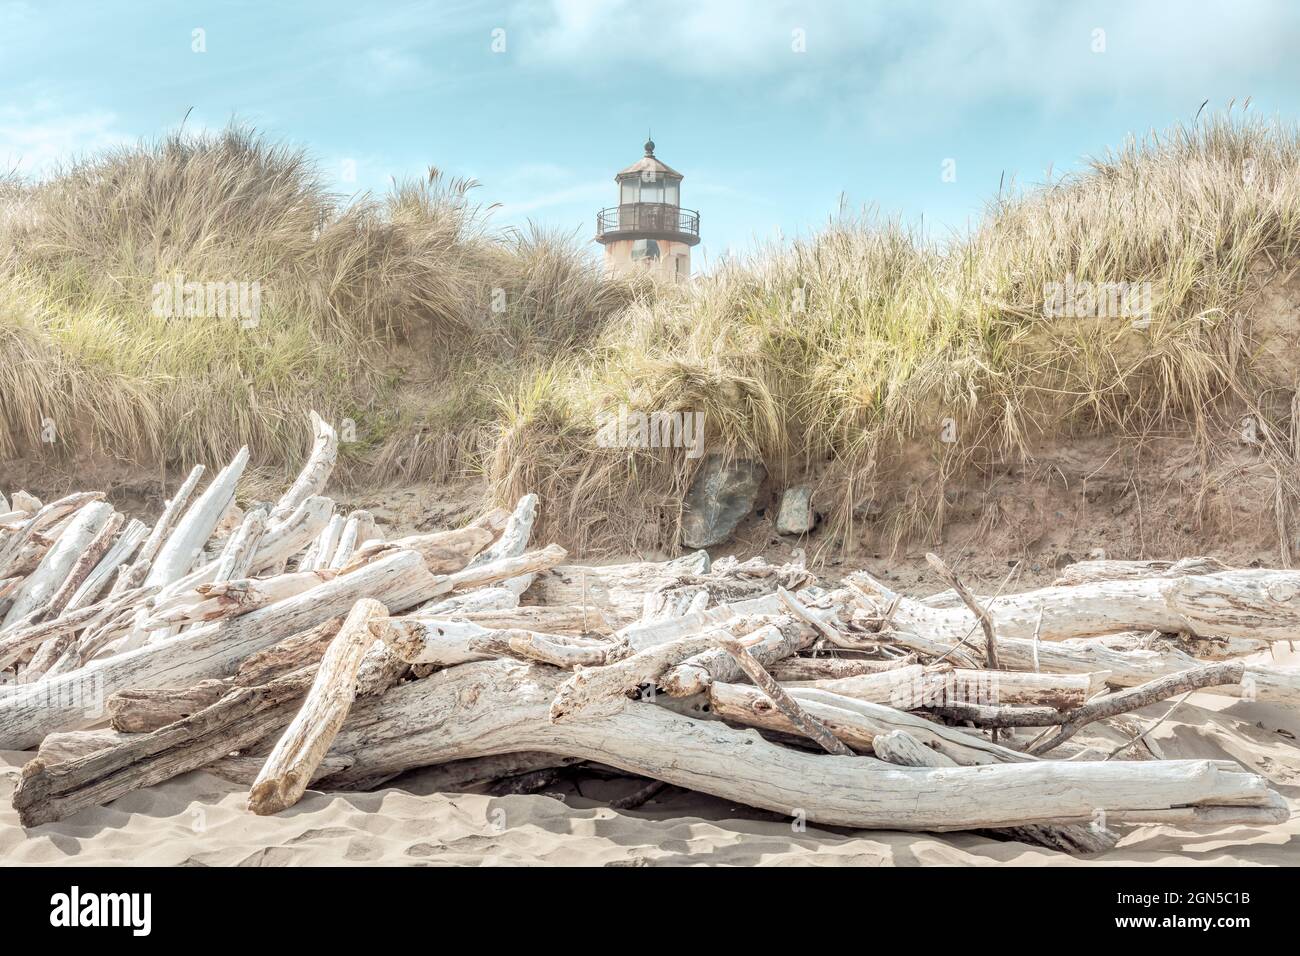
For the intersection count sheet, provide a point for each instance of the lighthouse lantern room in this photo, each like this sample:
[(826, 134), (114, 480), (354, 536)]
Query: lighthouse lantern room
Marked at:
[(649, 229)]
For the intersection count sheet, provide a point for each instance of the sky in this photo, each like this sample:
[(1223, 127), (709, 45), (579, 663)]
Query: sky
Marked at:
[(775, 112)]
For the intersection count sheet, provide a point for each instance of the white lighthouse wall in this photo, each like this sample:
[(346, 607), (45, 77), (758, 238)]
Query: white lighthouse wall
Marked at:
[(674, 259)]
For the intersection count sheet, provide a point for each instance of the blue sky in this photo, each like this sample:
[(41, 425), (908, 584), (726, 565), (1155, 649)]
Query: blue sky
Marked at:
[(772, 110)]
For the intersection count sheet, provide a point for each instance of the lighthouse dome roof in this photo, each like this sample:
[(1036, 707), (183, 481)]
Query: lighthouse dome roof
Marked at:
[(649, 163)]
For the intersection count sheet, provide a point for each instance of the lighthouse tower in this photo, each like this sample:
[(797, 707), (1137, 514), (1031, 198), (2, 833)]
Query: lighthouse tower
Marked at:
[(649, 229)]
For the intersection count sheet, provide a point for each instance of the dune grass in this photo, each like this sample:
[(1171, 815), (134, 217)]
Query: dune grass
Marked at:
[(401, 314), (848, 358), (841, 355)]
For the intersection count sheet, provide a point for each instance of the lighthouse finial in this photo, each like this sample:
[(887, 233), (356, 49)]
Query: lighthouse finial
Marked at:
[(649, 144)]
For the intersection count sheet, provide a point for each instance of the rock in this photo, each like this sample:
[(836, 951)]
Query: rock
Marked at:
[(795, 515), (720, 496)]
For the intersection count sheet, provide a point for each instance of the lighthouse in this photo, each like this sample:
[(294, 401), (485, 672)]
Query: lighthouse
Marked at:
[(648, 229)]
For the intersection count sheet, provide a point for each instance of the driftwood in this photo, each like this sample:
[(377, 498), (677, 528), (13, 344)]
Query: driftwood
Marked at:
[(76, 699), (807, 724), (112, 564), (135, 575), (819, 668), (314, 476), (43, 583), (769, 641), (1261, 604), (293, 762), (444, 551), (47, 792), (230, 663), (182, 547), (1210, 675), (482, 708), (901, 748), (909, 688)]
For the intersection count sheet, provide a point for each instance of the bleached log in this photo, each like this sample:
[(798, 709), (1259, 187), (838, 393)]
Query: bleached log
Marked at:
[(1124, 668), (1250, 603), (315, 473), (17, 641), (236, 560), (239, 769), (554, 620), (48, 792), (274, 548), (184, 544), (290, 654), (210, 650), (914, 687), (1090, 572), (1201, 648), (31, 555), (367, 528), (45, 519), (443, 551), (500, 706), (347, 544), (770, 641), (449, 641), (818, 668), (323, 550), (901, 748), (143, 711), (382, 668), (646, 591), (806, 724), (1208, 675), (856, 722), (556, 650), (604, 690), (299, 751), (503, 569), (515, 535), (226, 599), (463, 606), (619, 590), (113, 563), (135, 576), (644, 634), (58, 562), (674, 602), (85, 563), (286, 538)]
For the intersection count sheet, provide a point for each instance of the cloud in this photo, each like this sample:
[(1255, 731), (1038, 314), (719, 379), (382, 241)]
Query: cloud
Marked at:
[(974, 50), (529, 187), (385, 69), (35, 140)]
